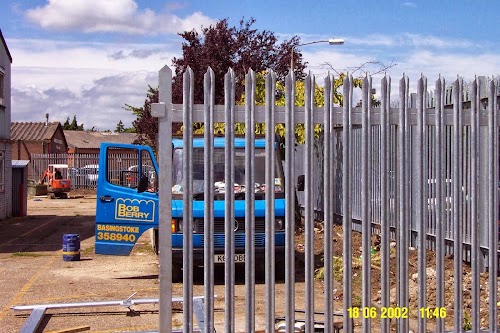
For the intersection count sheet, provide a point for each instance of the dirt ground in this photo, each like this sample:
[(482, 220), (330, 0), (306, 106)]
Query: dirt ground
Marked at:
[(375, 273), (32, 271)]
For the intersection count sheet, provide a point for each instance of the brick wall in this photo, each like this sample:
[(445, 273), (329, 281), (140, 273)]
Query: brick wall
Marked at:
[(22, 150), (58, 146)]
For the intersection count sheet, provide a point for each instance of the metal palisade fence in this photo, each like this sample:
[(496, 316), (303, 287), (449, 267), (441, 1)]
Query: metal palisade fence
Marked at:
[(83, 169), (419, 177)]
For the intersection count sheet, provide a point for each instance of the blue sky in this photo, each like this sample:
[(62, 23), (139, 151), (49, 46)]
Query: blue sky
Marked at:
[(91, 57)]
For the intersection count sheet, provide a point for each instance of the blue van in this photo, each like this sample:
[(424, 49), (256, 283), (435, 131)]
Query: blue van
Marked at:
[(123, 213)]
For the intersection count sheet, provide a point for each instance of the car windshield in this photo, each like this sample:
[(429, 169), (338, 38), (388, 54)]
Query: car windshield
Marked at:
[(219, 164), (145, 168)]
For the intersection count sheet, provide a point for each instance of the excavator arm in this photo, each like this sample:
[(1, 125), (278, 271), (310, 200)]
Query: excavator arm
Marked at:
[(46, 174)]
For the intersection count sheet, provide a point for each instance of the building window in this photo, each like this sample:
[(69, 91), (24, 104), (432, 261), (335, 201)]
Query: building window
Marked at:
[(2, 86), (2, 171)]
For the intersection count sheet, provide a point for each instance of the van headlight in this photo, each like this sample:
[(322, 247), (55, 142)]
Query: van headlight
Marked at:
[(179, 225), (279, 224)]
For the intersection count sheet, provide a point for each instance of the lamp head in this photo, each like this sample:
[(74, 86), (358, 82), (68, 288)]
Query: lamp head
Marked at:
[(335, 41)]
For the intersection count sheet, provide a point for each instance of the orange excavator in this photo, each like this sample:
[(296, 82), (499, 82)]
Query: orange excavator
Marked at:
[(58, 184)]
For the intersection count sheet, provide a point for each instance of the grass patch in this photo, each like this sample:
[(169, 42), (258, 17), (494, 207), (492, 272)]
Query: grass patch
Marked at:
[(28, 254), (87, 251), (467, 324), (356, 301), (143, 248), (338, 268)]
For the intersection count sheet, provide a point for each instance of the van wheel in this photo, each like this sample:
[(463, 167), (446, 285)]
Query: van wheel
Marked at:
[(176, 273), (279, 270)]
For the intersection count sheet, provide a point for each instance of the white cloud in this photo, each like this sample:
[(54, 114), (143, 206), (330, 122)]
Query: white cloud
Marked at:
[(410, 40), (449, 65), (68, 78), (95, 80), (110, 56), (96, 104), (409, 4), (122, 16), (413, 62), (401, 39)]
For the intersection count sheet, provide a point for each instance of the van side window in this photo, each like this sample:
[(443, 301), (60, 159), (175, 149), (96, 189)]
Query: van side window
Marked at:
[(147, 169), (122, 167)]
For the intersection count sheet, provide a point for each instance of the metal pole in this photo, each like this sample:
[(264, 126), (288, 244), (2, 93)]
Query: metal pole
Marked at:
[(421, 201), (346, 202), (162, 111), (250, 86), (385, 199), (187, 229), (208, 227), (366, 202), (229, 250), (328, 221), (290, 197), (475, 109), (309, 210), (457, 200), (270, 162)]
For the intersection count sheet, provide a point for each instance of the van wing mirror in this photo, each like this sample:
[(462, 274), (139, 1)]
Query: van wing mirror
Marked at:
[(143, 184), (301, 182)]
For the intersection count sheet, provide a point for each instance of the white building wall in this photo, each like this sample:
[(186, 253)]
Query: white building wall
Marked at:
[(5, 144)]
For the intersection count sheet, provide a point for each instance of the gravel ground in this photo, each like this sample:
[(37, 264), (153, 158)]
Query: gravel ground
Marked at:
[(32, 271)]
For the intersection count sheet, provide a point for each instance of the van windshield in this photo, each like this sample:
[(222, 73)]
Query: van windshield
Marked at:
[(219, 164)]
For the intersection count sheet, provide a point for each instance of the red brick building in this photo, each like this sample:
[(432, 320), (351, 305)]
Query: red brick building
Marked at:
[(80, 142), (37, 138)]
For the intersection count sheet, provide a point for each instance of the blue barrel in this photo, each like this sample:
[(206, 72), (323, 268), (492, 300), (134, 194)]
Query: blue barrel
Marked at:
[(71, 247)]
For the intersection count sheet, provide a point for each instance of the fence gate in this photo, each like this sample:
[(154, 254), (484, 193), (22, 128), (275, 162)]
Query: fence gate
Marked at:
[(398, 154)]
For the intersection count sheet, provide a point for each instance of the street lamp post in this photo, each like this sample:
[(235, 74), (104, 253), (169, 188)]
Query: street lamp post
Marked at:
[(331, 41)]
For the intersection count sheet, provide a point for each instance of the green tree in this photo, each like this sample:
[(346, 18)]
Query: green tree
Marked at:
[(119, 127), (73, 126), (145, 125), (66, 124), (242, 47), (319, 91), (220, 47)]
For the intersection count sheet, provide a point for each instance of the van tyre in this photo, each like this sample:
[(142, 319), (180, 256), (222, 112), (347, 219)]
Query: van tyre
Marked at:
[(279, 270), (176, 273)]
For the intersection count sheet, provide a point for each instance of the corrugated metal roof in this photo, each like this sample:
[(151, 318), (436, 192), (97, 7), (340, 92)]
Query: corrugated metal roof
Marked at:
[(33, 131), (19, 164), (81, 139)]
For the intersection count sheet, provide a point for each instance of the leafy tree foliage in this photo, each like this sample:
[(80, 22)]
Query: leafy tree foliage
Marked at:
[(219, 47), (119, 127), (222, 47), (145, 125), (73, 126), (319, 91), (129, 130)]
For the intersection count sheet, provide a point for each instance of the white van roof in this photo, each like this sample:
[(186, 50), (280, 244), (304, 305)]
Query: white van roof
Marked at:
[(59, 166)]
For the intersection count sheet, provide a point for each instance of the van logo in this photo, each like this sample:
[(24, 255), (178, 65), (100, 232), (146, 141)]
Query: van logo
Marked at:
[(134, 210)]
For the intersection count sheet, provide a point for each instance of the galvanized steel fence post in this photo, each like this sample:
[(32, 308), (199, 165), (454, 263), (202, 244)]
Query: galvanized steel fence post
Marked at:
[(404, 171)]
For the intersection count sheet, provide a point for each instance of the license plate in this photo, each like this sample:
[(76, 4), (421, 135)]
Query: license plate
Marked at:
[(220, 258)]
